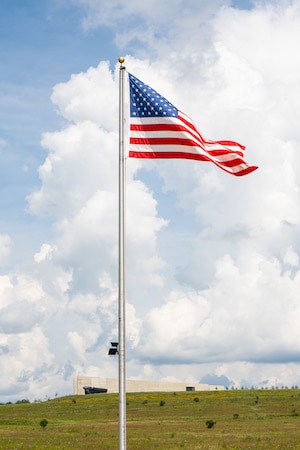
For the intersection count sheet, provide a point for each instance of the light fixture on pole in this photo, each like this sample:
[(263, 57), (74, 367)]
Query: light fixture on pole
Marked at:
[(114, 349)]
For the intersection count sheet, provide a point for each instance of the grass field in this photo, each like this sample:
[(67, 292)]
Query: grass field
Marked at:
[(245, 419)]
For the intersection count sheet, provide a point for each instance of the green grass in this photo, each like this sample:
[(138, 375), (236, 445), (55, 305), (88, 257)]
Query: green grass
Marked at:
[(246, 419)]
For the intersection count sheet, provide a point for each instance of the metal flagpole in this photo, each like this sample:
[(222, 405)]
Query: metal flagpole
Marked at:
[(122, 369)]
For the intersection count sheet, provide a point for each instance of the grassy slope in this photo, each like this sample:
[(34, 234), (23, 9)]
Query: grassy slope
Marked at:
[(266, 419)]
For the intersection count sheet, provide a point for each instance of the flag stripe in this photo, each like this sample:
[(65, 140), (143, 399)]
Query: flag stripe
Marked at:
[(228, 160), (178, 138), (159, 130), (168, 154), (164, 130), (240, 170), (189, 124)]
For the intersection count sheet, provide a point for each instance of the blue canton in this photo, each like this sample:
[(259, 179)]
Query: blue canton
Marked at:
[(146, 102)]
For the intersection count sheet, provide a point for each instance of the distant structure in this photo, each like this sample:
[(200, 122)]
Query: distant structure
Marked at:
[(111, 385)]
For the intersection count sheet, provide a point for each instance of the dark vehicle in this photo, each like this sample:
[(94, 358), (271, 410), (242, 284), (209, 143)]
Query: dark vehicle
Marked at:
[(94, 390)]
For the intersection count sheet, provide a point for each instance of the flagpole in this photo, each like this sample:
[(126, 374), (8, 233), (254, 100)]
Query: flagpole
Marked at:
[(122, 368)]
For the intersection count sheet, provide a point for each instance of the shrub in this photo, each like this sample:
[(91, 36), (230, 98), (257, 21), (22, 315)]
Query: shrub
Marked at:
[(235, 416), (43, 423), (196, 399), (161, 403), (210, 423)]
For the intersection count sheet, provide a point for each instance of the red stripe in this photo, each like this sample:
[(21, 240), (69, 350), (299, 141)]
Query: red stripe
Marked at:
[(231, 162), (163, 141), (248, 169), (174, 127), (222, 152), (193, 156), (230, 144), (168, 155), (157, 127), (225, 143), (189, 124), (191, 138), (235, 161), (163, 127), (239, 172), (180, 141)]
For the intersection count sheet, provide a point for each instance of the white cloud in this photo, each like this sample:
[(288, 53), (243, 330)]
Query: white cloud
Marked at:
[(45, 252), (26, 363), (249, 313), (158, 14), (89, 96), (5, 247), (222, 297), (21, 305), (291, 257), (81, 159)]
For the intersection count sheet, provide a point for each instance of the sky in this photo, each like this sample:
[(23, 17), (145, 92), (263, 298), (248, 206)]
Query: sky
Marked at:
[(212, 260)]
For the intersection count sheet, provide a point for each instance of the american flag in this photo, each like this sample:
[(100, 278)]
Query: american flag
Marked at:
[(159, 130)]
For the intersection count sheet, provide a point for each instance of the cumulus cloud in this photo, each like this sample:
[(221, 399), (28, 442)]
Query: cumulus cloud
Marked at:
[(5, 247), (232, 320), (75, 100), (44, 253), (218, 297), (241, 262)]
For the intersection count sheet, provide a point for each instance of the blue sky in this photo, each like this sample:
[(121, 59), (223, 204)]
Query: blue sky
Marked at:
[(212, 260), (42, 43)]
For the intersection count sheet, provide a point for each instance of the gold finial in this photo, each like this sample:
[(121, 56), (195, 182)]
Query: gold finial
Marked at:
[(121, 59)]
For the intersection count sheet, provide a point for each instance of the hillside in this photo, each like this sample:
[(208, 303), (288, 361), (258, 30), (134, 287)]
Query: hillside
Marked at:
[(264, 419)]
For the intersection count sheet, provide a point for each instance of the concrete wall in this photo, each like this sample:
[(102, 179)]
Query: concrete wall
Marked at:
[(111, 385)]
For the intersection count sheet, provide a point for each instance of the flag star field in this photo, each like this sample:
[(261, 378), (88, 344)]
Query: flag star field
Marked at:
[(147, 102)]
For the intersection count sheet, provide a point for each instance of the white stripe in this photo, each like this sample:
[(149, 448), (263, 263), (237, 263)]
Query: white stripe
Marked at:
[(182, 135), (190, 133), (189, 150), (164, 135), (154, 120), (162, 120), (145, 148)]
